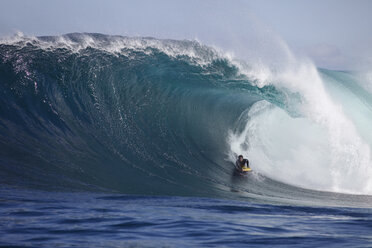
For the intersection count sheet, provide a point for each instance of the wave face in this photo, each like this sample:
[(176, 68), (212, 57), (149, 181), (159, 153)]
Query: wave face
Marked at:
[(148, 116)]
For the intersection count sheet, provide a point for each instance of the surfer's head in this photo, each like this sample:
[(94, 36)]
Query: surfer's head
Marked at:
[(240, 157)]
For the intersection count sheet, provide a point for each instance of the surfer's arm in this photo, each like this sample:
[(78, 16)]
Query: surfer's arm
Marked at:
[(247, 163)]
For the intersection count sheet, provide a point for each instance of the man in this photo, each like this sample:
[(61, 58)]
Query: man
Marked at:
[(241, 162)]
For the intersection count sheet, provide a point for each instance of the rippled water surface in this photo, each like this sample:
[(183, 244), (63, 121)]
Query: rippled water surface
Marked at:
[(42, 219)]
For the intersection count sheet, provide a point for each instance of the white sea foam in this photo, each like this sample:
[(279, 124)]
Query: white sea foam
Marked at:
[(322, 150)]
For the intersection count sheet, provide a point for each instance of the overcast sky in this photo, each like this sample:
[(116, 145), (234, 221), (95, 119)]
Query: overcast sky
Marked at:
[(334, 33)]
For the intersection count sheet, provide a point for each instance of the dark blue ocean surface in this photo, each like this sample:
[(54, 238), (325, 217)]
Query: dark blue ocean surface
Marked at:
[(110, 141), (42, 219)]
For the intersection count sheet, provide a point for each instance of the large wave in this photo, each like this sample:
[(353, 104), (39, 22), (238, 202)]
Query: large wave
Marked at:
[(148, 116)]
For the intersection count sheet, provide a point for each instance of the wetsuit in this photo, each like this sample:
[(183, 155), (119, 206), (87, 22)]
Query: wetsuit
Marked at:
[(240, 164)]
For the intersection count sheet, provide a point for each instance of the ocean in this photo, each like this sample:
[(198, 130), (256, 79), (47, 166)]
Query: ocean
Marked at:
[(112, 141)]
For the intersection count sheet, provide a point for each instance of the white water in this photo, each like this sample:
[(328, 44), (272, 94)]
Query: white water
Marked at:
[(328, 148)]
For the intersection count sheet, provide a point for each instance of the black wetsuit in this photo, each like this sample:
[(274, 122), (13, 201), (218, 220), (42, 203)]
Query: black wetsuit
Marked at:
[(240, 164)]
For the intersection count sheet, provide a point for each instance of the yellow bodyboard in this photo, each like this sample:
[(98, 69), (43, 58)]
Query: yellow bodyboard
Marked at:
[(246, 168)]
